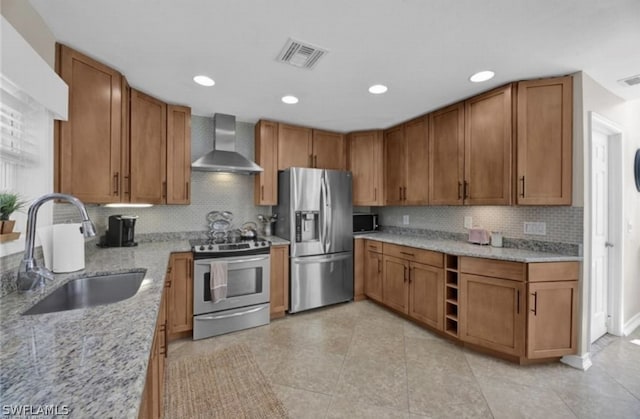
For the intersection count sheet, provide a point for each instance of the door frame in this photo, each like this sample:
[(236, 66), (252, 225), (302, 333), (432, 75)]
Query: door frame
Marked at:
[(615, 219)]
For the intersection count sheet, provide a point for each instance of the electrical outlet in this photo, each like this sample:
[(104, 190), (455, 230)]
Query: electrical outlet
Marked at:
[(468, 221), (405, 219), (536, 229)]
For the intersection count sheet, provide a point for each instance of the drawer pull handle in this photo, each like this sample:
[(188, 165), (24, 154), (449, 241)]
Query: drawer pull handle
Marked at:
[(407, 254)]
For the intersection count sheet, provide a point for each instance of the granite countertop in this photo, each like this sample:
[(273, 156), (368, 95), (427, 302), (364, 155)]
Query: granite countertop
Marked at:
[(93, 360), (277, 241), (460, 248)]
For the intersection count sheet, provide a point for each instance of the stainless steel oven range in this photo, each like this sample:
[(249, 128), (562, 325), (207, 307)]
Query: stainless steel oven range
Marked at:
[(245, 265)]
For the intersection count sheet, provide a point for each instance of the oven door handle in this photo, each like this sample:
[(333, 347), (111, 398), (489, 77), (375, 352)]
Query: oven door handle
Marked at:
[(230, 262), (226, 316)]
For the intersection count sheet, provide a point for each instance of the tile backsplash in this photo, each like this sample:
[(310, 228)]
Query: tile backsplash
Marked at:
[(209, 191), (563, 224)]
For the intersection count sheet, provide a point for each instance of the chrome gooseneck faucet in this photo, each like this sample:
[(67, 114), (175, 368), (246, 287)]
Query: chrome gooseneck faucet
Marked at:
[(30, 275)]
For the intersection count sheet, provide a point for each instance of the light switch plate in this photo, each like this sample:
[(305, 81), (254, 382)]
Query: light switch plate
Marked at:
[(405, 219), (468, 221), (535, 228)]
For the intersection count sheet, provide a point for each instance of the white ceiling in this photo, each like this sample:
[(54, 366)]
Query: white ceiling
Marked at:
[(423, 50)]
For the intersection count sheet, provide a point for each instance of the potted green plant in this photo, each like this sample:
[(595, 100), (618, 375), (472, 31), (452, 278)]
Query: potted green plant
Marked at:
[(9, 203)]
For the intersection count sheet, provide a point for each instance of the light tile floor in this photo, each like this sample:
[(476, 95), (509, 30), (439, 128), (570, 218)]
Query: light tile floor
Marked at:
[(358, 360)]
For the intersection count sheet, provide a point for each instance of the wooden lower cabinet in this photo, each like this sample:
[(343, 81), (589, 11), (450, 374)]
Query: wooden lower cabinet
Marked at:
[(358, 270), (492, 313), (180, 295), (412, 288), (426, 294), (552, 319), (373, 272), (520, 311), (152, 404), (395, 286), (279, 281)]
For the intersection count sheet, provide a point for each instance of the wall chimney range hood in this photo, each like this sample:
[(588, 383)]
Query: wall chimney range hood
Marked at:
[(224, 157)]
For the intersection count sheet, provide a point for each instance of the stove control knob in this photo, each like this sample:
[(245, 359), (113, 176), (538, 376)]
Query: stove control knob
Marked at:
[(210, 247), (264, 243), (201, 248)]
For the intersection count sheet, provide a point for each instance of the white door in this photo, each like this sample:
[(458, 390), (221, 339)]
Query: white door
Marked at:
[(600, 235)]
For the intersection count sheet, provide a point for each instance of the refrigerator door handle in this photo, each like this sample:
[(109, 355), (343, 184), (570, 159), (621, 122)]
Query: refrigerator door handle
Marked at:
[(323, 213), (327, 214)]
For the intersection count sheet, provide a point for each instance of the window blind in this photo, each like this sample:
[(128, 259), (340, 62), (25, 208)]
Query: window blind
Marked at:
[(18, 144)]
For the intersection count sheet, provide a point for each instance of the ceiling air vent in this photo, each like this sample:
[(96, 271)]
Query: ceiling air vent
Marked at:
[(300, 54), (630, 81)]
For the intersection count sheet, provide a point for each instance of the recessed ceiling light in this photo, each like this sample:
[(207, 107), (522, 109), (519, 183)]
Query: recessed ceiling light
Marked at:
[(481, 76), (289, 100), (204, 80), (378, 89)]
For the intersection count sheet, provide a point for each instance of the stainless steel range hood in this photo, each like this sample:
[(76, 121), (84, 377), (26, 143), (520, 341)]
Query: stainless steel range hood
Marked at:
[(224, 157)]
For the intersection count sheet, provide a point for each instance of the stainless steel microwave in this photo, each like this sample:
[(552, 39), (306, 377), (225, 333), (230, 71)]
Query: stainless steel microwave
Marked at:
[(365, 222)]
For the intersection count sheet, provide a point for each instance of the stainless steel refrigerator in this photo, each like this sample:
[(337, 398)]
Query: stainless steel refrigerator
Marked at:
[(315, 215)]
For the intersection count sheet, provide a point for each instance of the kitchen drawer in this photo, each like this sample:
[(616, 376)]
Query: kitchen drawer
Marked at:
[(373, 246), (493, 268), (427, 257), (553, 271)]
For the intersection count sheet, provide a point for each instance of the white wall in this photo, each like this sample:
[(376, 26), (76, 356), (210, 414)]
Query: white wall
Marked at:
[(631, 284), (596, 98), (25, 68), (28, 22)]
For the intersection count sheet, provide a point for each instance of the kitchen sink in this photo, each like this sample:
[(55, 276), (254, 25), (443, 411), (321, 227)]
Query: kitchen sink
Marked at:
[(89, 292)]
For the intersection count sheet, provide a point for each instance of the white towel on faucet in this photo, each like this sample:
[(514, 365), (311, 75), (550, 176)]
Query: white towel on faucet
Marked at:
[(218, 281)]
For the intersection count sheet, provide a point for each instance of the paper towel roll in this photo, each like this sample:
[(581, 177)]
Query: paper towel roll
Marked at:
[(46, 240), (68, 248)]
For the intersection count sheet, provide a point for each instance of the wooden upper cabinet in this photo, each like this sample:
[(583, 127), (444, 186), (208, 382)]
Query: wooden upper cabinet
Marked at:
[(178, 154), (294, 146), (446, 155), (125, 150), (88, 144), (148, 149), (488, 144), (265, 190), (544, 146), (365, 161), (416, 184), (406, 163), (394, 165), (329, 150)]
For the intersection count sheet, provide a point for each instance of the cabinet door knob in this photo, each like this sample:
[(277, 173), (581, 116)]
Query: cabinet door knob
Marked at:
[(262, 192), (466, 190), (522, 190), (459, 190), (404, 191)]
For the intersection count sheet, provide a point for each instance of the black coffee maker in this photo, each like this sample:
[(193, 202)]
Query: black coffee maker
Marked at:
[(121, 231)]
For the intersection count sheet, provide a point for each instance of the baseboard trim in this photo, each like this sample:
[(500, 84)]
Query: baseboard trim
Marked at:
[(581, 362), (631, 325)]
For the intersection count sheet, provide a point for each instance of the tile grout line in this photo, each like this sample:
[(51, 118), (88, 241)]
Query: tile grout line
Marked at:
[(344, 360), (406, 368), (465, 352)]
